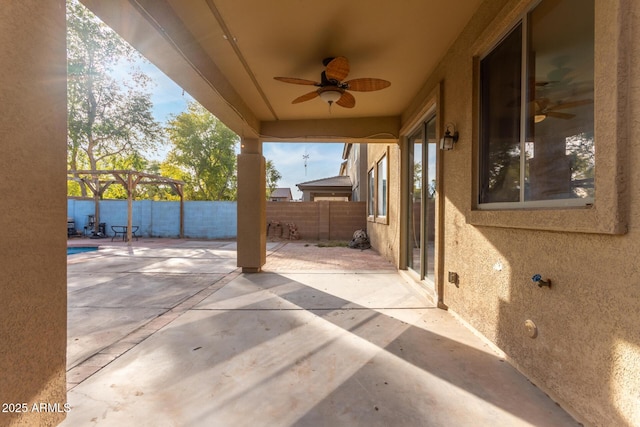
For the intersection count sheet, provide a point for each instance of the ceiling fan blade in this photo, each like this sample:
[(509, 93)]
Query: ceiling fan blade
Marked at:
[(557, 115), (297, 81), (367, 84), (305, 97), (338, 68), (571, 104), (346, 100), (545, 83)]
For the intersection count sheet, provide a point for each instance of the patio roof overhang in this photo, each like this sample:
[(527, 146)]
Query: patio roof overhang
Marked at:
[(226, 55)]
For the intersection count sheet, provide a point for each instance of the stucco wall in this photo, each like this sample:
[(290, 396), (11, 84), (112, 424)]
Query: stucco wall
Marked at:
[(385, 235), (587, 352), (32, 196)]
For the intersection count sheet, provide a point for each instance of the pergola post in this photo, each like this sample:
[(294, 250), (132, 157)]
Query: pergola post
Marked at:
[(96, 210), (181, 193), (130, 189)]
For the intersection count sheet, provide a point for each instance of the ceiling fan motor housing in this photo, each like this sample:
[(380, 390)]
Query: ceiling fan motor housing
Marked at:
[(325, 81)]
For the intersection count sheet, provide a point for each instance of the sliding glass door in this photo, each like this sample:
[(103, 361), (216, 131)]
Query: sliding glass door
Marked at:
[(422, 196)]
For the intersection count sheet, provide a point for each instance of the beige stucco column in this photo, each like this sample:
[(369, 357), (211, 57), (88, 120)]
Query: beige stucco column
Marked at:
[(33, 292), (252, 228)]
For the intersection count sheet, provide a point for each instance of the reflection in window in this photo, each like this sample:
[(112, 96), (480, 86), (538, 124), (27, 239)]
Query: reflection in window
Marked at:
[(371, 192), (381, 189), (415, 206), (537, 139)]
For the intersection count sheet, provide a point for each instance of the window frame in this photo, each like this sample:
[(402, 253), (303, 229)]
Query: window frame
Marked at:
[(610, 211), (384, 192), (373, 195), (523, 25)]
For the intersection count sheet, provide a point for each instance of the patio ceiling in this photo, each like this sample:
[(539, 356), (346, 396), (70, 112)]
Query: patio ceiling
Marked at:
[(225, 53)]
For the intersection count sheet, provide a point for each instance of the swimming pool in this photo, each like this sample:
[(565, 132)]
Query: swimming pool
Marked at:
[(80, 249)]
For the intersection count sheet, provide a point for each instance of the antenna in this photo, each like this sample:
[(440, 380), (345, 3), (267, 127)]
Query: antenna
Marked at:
[(305, 156)]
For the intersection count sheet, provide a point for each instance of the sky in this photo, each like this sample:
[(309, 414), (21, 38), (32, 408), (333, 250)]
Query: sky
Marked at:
[(323, 162), (324, 158)]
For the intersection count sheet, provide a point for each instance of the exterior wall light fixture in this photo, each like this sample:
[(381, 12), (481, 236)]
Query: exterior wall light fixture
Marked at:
[(449, 138)]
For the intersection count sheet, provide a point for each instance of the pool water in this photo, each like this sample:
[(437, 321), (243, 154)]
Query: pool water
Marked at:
[(80, 249)]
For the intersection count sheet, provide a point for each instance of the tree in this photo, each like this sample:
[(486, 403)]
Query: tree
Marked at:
[(273, 176), (203, 155), (108, 119)]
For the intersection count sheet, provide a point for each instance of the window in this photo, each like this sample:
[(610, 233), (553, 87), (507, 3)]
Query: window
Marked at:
[(378, 192), (536, 111), (381, 187), (371, 190)]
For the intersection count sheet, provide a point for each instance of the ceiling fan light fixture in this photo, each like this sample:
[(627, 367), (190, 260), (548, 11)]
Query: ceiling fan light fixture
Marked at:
[(331, 87), (330, 94), (539, 117)]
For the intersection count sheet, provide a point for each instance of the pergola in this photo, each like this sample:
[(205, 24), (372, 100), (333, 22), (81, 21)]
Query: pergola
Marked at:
[(99, 180)]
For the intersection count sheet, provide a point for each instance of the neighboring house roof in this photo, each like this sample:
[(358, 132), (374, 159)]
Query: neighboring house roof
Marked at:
[(334, 181), (282, 193), (335, 186)]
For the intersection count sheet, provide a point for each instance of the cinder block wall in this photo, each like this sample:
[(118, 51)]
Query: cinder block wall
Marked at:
[(202, 219), (322, 220), (345, 218), (209, 220)]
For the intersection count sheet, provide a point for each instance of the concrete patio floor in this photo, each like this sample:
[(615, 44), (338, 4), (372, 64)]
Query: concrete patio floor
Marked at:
[(170, 333)]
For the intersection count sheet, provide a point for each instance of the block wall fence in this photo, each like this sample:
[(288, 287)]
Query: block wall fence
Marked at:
[(202, 220), (322, 220)]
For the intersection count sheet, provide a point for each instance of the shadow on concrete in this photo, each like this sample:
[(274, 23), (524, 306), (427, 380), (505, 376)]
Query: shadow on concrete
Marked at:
[(269, 349)]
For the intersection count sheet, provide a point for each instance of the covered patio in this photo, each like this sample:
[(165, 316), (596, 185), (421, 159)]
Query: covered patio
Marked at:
[(168, 333), (577, 340), (240, 65)]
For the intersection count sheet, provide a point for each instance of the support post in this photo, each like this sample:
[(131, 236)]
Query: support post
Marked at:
[(33, 262), (181, 211), (252, 217), (130, 189)]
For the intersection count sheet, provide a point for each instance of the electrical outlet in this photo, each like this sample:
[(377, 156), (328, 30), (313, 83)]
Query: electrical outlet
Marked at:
[(453, 278)]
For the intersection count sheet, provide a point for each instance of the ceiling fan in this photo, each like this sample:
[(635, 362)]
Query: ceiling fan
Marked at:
[(544, 108), (331, 87), (559, 87)]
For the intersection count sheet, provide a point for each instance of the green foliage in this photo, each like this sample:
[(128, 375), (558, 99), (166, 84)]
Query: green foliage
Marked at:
[(109, 120), (155, 191), (273, 176), (203, 155), (73, 189), (417, 181)]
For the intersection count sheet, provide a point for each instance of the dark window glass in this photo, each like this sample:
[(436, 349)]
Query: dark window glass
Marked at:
[(500, 76), (543, 148), (559, 143)]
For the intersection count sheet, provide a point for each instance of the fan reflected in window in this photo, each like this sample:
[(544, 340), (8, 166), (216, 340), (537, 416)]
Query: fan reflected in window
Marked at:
[(537, 132)]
